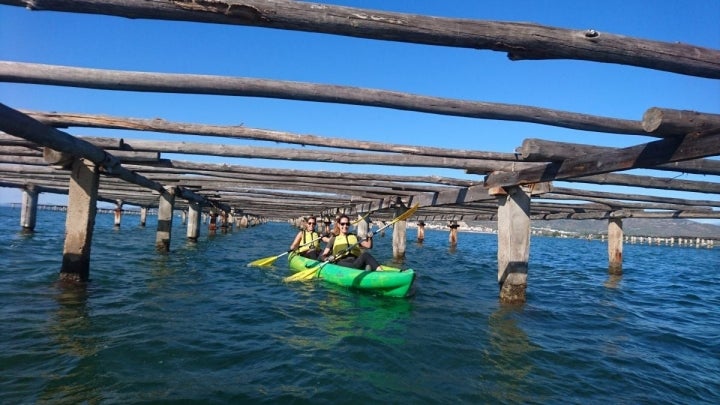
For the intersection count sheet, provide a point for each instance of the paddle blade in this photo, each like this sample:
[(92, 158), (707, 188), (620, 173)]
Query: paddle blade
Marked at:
[(304, 275), (266, 261)]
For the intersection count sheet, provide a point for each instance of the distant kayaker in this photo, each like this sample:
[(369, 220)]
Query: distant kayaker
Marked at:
[(307, 241), (345, 248)]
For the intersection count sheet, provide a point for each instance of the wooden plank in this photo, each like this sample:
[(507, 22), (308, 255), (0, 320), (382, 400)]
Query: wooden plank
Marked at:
[(520, 40)]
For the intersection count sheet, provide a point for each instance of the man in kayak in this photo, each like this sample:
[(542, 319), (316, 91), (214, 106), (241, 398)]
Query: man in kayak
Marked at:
[(346, 248), (307, 241)]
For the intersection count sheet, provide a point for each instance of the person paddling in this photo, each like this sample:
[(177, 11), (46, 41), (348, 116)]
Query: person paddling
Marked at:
[(346, 248), (307, 241)]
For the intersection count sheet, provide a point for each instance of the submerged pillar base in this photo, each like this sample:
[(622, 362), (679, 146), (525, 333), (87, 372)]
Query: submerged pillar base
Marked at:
[(512, 293)]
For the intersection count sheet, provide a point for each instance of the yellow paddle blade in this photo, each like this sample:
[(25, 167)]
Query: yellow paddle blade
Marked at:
[(266, 261), (357, 221), (407, 214), (304, 275)]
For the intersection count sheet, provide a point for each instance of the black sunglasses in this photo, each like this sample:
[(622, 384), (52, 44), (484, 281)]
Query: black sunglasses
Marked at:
[(311, 223), (343, 223)]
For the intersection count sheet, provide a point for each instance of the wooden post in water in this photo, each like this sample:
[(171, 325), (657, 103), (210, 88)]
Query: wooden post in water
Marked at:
[(143, 216), (118, 212), (28, 212), (165, 217), (212, 226), (615, 245), (453, 232), (80, 221), (193, 221), (513, 242), (420, 231), (399, 235)]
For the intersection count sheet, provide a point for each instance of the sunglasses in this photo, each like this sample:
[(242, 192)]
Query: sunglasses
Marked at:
[(311, 223), (343, 223)]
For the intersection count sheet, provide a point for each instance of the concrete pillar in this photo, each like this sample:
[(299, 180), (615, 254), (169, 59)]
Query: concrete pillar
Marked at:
[(80, 221), (165, 216), (28, 212), (193, 221), (513, 243), (615, 245)]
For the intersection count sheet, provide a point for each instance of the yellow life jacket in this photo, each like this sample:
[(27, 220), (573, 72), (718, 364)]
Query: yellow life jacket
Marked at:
[(342, 242), (307, 238)]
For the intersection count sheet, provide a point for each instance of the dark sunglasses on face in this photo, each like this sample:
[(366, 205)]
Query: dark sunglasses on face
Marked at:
[(343, 223), (311, 223)]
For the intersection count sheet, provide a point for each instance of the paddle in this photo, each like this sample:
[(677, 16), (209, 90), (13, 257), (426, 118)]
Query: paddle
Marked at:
[(312, 272), (268, 261)]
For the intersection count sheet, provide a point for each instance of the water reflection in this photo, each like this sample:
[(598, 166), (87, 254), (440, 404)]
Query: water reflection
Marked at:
[(71, 328), (613, 281), (509, 354)]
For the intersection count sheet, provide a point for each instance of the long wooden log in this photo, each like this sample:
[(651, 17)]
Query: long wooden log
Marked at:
[(18, 72), (389, 159), (59, 120), (520, 40), (679, 122), (691, 146), (540, 150)]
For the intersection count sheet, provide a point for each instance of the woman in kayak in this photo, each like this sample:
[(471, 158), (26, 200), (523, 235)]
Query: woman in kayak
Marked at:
[(307, 241), (345, 248)]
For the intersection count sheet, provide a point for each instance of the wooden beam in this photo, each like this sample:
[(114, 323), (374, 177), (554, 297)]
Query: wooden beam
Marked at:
[(691, 146), (521, 41), (540, 150), (20, 72)]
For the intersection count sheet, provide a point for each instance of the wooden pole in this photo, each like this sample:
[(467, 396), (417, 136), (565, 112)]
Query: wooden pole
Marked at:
[(420, 232), (28, 213), (143, 216), (165, 216), (193, 221), (80, 221), (118, 213), (615, 245), (453, 238), (399, 236), (513, 243)]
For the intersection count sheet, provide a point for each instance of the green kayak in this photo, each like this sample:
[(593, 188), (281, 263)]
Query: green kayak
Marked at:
[(390, 282)]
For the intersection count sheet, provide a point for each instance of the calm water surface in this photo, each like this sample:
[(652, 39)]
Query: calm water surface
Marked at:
[(199, 326)]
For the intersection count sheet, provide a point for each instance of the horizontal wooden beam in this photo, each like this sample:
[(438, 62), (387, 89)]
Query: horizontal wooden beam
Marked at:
[(19, 72), (691, 146), (521, 41)]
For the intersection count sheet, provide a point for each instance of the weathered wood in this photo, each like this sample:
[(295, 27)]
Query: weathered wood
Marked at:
[(399, 235), (615, 245), (164, 221), (241, 132), (540, 150), (513, 244), (520, 40), (80, 221), (193, 222), (679, 122), (649, 182), (19, 72), (28, 213), (685, 147)]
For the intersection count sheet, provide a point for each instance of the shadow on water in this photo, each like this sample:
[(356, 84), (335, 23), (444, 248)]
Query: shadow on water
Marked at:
[(71, 328)]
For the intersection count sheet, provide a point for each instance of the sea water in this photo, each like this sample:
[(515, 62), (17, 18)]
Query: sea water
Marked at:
[(199, 326)]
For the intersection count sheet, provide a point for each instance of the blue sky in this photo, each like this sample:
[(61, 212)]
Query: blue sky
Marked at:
[(96, 41)]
